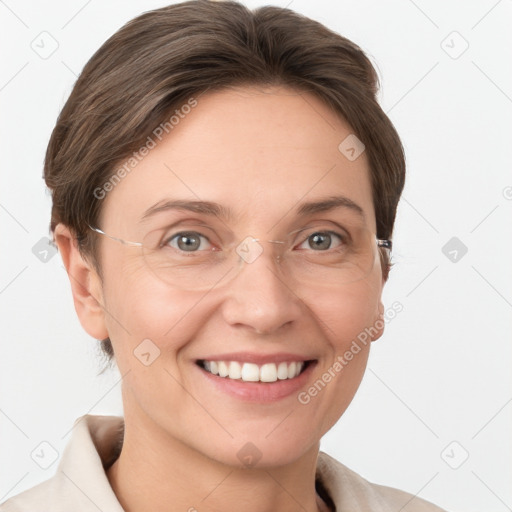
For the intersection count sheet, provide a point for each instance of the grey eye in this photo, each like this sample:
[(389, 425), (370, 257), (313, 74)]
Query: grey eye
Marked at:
[(321, 240), (188, 241)]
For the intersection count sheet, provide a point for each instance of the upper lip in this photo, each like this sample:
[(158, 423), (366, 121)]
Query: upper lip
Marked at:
[(259, 359)]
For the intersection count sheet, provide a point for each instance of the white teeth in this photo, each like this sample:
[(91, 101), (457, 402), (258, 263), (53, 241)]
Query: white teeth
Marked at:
[(223, 369), (268, 372), (235, 370), (282, 371), (250, 372)]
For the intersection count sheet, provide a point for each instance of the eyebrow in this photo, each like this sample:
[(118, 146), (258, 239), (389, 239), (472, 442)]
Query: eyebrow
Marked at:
[(218, 210)]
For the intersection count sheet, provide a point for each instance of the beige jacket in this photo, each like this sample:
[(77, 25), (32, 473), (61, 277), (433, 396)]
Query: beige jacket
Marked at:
[(81, 485)]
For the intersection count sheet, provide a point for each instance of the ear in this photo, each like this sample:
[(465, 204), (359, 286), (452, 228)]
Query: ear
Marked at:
[(85, 284), (378, 325)]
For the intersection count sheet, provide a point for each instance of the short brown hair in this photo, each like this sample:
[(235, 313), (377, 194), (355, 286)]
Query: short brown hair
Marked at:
[(162, 58)]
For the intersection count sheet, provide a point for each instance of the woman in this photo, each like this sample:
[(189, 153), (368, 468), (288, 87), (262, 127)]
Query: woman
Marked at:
[(224, 190)]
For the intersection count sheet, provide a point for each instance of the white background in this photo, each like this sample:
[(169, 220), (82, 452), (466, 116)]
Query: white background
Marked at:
[(441, 373)]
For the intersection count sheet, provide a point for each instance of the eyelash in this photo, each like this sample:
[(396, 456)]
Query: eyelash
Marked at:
[(166, 241)]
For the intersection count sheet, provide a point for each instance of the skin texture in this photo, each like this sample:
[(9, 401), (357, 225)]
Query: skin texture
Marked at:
[(260, 151)]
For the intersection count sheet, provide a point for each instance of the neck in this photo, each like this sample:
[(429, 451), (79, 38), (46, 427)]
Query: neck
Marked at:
[(159, 473)]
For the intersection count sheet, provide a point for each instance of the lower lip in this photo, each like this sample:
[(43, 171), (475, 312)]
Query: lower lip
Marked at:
[(263, 392)]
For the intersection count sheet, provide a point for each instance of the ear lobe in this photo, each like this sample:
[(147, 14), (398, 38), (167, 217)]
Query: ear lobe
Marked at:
[(85, 284), (378, 325)]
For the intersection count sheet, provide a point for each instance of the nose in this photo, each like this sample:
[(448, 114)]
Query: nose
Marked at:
[(260, 297)]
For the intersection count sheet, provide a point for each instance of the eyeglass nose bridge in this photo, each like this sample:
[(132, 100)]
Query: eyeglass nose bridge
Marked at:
[(278, 257), (274, 241)]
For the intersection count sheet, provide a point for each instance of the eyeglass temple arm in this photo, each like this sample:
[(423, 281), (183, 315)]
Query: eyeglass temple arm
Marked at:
[(387, 244), (124, 242)]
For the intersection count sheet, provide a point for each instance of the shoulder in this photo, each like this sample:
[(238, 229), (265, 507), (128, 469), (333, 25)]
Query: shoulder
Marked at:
[(80, 482), (39, 497), (350, 491)]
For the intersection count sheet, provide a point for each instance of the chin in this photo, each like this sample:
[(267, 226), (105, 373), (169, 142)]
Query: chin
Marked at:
[(258, 451)]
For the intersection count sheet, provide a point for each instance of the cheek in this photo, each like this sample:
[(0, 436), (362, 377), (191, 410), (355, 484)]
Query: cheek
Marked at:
[(345, 315), (141, 307), (346, 319)]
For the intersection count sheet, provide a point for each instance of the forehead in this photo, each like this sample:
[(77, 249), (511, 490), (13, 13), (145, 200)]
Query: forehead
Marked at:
[(259, 151)]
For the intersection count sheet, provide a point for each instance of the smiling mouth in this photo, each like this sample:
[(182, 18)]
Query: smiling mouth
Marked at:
[(250, 372)]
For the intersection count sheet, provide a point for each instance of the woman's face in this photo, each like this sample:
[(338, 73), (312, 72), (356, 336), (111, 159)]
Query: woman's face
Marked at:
[(260, 154)]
